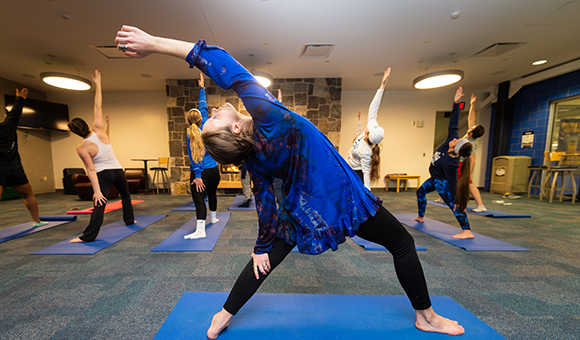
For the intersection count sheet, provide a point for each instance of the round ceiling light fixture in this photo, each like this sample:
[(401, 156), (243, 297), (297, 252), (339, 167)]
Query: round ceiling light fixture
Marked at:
[(437, 79), (66, 81), (263, 78)]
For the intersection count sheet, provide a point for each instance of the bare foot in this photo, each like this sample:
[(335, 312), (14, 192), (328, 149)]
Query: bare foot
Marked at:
[(76, 240), (466, 234), (219, 322), (419, 219), (429, 321)]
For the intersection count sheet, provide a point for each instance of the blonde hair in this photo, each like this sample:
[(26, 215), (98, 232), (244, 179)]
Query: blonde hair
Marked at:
[(195, 142)]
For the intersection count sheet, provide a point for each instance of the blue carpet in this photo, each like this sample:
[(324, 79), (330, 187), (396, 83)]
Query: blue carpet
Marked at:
[(444, 232), (190, 206), (311, 316), (368, 245), (19, 230), (108, 235), (488, 213), (176, 242), (239, 200)]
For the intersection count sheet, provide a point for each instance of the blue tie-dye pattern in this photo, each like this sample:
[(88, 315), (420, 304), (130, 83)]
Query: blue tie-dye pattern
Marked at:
[(324, 200), (442, 188)]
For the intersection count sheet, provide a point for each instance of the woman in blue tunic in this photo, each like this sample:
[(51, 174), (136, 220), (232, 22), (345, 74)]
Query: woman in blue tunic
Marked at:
[(324, 200), (204, 173)]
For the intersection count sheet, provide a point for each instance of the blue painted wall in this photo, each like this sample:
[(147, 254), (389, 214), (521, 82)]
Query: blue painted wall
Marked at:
[(531, 112)]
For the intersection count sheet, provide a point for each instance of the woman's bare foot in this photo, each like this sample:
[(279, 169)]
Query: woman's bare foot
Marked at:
[(466, 234), (219, 322), (419, 219), (429, 321), (76, 240)]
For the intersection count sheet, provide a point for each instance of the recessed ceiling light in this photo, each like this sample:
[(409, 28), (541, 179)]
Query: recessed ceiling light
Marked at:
[(539, 62)]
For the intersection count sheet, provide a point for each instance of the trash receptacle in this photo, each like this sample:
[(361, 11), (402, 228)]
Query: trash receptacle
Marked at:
[(510, 174)]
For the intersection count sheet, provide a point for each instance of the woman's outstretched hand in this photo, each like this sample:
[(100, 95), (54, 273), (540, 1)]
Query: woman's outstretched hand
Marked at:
[(198, 182), (138, 44), (458, 94)]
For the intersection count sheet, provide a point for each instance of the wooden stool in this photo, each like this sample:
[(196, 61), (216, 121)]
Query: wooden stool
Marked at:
[(400, 178)]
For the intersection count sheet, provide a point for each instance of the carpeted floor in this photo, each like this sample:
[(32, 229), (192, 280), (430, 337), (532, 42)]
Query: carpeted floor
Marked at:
[(126, 291)]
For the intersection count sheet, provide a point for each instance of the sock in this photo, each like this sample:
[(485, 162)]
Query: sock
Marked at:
[(199, 231), (213, 218), (39, 224)]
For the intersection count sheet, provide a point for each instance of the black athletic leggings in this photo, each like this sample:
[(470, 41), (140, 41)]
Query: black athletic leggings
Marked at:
[(211, 179), (108, 178), (384, 229)]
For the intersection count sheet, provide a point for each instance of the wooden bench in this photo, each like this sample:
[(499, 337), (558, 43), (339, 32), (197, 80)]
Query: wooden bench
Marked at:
[(400, 178), (230, 185)]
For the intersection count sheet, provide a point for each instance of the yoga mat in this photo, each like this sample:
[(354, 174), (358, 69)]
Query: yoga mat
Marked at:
[(108, 235), (110, 207), (444, 232), (239, 200), (368, 245), (190, 206), (19, 230), (176, 242), (488, 213), (320, 317)]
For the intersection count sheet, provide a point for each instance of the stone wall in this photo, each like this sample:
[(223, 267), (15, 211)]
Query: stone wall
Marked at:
[(318, 99)]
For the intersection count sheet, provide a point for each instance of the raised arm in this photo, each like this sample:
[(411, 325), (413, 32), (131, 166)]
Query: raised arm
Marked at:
[(13, 117), (212, 61), (98, 123), (108, 129), (376, 103), (358, 125), (454, 117), (471, 116)]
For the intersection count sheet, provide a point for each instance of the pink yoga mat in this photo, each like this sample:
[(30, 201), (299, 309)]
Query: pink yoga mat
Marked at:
[(110, 207)]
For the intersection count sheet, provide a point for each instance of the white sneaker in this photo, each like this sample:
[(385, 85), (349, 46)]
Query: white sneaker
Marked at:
[(480, 208), (212, 217), (439, 200)]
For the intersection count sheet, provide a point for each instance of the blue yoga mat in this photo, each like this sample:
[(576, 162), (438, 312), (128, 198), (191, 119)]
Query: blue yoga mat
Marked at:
[(176, 242), (488, 213), (19, 230), (109, 234), (311, 316), (190, 206), (239, 200), (368, 245), (444, 232)]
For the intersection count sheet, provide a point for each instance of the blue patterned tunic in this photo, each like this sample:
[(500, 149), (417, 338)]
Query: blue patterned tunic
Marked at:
[(324, 200)]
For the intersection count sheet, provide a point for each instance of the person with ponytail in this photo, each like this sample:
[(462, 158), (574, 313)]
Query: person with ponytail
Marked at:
[(365, 154), (444, 168), (204, 173), (324, 200), (103, 168)]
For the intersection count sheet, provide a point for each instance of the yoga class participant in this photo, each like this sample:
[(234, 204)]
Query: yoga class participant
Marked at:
[(364, 155), (443, 170), (11, 171), (204, 173), (324, 200), (103, 168), (472, 134)]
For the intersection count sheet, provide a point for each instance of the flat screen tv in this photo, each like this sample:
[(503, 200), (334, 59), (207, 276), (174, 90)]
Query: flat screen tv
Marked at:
[(38, 114)]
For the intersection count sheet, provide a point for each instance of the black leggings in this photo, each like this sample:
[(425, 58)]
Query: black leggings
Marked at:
[(211, 179), (108, 178), (384, 229)]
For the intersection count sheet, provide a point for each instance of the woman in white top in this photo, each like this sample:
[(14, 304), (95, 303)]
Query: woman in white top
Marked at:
[(364, 155), (103, 168)]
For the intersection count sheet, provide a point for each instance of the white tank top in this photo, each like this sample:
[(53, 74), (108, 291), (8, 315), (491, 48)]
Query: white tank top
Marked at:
[(105, 158)]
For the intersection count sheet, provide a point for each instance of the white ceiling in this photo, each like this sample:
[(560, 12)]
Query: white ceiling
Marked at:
[(370, 35)]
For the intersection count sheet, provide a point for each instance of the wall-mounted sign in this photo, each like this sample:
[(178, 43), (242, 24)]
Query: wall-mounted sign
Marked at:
[(528, 139)]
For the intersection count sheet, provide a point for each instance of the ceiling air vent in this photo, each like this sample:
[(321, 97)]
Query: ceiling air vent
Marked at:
[(109, 52), (498, 49), (316, 51)]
